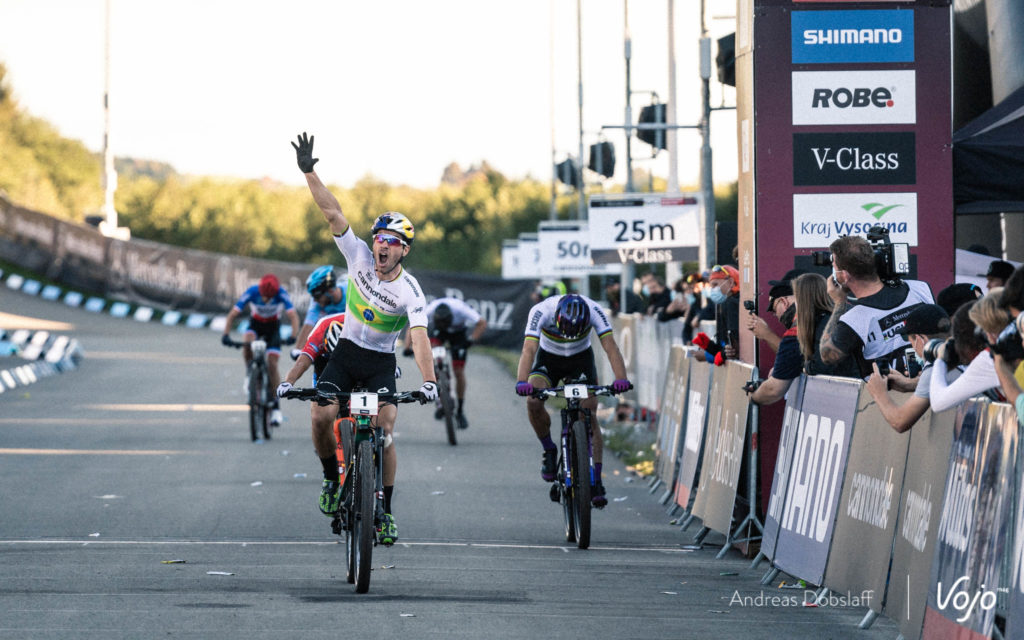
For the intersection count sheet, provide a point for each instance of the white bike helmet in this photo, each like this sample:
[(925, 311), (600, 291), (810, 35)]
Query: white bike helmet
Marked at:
[(394, 221)]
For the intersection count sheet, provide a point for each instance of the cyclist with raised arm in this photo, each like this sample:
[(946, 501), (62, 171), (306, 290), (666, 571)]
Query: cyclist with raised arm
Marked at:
[(382, 299), (327, 297), (450, 322), (267, 300), (557, 348)]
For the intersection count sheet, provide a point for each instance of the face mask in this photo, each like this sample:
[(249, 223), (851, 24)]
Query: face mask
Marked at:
[(645, 290), (691, 299), (788, 316), (716, 295)]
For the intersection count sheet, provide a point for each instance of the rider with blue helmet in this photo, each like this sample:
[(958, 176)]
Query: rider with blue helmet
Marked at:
[(327, 297)]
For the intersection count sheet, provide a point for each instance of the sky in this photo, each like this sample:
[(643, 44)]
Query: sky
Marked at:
[(396, 89)]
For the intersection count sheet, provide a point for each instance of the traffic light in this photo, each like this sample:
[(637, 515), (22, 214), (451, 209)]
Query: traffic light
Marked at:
[(567, 173), (726, 59), (653, 114), (602, 159)]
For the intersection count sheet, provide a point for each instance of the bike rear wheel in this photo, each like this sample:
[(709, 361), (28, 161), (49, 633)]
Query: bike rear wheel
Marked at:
[(363, 530), (580, 483), (444, 392)]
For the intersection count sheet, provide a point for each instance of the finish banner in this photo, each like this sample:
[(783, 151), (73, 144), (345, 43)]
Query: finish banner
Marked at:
[(693, 432), (974, 528), (670, 413), (920, 502), (723, 456), (783, 463), (816, 476), (869, 505)]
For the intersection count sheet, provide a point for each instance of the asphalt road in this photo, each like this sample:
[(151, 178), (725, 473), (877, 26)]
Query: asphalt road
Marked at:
[(142, 456)]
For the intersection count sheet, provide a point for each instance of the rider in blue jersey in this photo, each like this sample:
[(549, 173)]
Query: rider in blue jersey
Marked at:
[(268, 300), (327, 298)]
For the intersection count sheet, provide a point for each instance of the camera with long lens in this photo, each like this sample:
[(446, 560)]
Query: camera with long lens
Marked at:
[(949, 355), (892, 259), (1008, 344)]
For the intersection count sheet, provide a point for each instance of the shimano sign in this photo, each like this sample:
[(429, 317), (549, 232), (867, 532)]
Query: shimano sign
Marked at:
[(854, 97), (829, 37)]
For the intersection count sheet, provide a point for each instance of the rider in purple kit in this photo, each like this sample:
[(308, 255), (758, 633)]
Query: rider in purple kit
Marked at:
[(556, 348)]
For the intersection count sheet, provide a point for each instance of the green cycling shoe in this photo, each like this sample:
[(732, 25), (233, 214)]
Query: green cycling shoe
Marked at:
[(330, 497), (387, 531)]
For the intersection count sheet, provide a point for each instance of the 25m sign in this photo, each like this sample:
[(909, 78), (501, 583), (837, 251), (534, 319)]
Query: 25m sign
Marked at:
[(644, 228)]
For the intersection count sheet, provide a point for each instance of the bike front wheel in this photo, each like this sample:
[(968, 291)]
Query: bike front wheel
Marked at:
[(580, 483), (363, 530), (257, 409)]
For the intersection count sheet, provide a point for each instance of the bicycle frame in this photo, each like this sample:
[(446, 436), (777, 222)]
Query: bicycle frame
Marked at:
[(443, 372)]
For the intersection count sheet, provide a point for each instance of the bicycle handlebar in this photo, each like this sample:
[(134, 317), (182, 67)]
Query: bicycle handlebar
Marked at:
[(593, 389), (232, 343), (312, 393)]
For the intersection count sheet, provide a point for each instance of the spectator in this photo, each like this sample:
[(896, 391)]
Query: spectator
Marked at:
[(1005, 366), (658, 297), (998, 273), (788, 361), (867, 327), (781, 304), (926, 322), (813, 310), (980, 375), (698, 310), (724, 292), (679, 305), (634, 304), (955, 295)]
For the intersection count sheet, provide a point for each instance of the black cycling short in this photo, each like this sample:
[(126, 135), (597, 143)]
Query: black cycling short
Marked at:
[(268, 331), (457, 341), (568, 368), (352, 367)]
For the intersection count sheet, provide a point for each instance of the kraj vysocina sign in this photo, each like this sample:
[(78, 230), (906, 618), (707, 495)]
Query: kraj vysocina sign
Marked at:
[(645, 227), (820, 218)]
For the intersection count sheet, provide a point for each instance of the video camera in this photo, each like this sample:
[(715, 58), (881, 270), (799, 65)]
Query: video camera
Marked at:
[(892, 260), (1008, 344), (941, 348)]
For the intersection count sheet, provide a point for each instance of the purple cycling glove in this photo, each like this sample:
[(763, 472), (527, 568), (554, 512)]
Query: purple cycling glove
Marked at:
[(524, 388), (620, 386)]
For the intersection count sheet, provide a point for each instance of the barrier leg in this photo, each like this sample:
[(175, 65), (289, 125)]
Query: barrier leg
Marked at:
[(757, 559), (673, 510), (665, 497), (770, 576), (822, 594), (653, 482), (703, 533), (869, 619), (686, 523)]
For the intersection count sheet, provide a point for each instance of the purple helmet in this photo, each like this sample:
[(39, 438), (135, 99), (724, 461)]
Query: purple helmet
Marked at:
[(572, 316)]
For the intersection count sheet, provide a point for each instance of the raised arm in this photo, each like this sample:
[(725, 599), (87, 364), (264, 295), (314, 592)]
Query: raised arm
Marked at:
[(324, 199)]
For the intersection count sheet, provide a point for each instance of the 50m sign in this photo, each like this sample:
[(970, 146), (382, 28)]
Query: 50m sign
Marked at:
[(644, 228)]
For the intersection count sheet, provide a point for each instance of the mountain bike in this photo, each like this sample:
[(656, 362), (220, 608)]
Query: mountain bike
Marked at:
[(261, 396), (575, 475), (362, 506), (445, 400)]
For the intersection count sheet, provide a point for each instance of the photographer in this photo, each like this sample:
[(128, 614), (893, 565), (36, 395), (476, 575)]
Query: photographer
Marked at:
[(980, 376), (1013, 302), (781, 305), (866, 328), (925, 328), (789, 361)]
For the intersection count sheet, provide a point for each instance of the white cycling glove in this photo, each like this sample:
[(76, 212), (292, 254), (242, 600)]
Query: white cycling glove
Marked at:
[(283, 389), (429, 391)]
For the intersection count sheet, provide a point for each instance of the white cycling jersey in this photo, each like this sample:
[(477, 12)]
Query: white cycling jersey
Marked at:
[(377, 310), (463, 315), (540, 325)]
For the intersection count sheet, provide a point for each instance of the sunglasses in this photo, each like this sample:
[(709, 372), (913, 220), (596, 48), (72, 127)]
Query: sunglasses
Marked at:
[(391, 241)]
